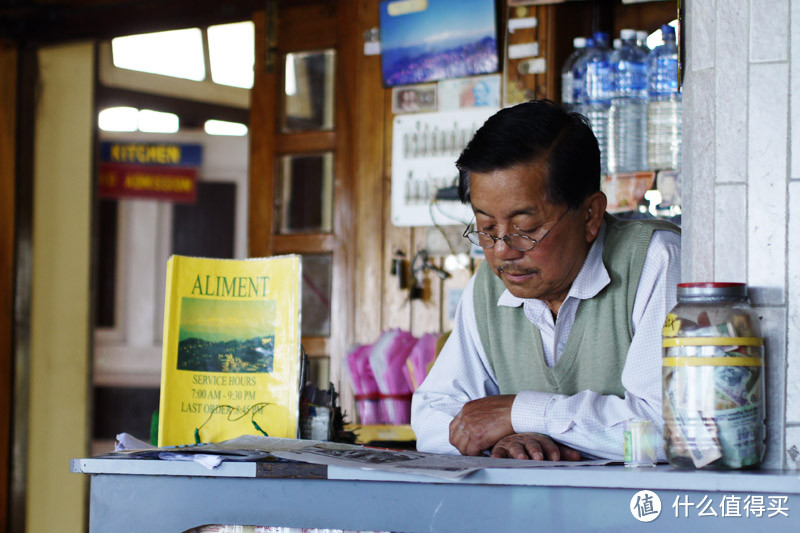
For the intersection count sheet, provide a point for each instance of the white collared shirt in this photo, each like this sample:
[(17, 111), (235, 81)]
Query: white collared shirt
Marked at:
[(591, 423)]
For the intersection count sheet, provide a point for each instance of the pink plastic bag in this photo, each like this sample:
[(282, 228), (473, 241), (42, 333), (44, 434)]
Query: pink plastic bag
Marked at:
[(422, 355), (367, 393), (388, 361)]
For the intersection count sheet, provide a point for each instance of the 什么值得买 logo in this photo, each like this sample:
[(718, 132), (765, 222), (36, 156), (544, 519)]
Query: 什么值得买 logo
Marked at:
[(645, 506)]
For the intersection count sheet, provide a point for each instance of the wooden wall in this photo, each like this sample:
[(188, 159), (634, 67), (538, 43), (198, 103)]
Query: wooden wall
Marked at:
[(375, 302), (8, 105), (370, 179), (380, 304)]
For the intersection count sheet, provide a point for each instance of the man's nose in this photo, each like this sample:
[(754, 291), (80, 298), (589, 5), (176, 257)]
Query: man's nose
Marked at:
[(503, 251)]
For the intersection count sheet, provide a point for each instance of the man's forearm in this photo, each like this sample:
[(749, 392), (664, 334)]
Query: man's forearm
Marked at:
[(588, 422), (481, 424)]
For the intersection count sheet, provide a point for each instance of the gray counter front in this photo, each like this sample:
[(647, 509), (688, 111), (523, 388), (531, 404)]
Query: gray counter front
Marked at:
[(153, 495)]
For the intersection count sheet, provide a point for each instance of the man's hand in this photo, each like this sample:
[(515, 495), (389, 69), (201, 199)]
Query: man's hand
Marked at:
[(533, 446), (481, 423)]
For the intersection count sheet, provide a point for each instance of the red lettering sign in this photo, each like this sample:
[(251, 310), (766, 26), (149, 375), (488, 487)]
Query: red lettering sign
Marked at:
[(176, 184)]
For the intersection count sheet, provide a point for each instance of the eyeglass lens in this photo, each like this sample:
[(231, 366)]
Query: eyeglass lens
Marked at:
[(518, 242)]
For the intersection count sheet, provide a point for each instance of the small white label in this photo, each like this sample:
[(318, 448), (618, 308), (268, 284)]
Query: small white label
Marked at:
[(516, 51), (372, 49), (404, 7), (522, 23), (533, 66)]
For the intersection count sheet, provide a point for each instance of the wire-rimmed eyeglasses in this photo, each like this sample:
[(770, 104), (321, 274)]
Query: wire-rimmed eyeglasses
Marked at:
[(517, 241)]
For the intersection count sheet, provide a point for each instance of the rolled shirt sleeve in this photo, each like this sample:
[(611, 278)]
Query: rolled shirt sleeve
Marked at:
[(461, 373)]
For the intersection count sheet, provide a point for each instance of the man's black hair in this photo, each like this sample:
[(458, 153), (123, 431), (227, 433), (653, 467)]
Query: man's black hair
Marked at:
[(536, 130)]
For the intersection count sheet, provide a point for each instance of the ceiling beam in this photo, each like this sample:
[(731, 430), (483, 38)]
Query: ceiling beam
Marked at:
[(193, 114), (33, 23)]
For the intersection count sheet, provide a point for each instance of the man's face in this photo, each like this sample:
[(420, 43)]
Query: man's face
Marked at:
[(513, 201)]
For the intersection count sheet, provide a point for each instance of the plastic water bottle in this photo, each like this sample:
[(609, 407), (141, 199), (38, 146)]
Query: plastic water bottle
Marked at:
[(567, 89), (641, 41), (597, 94), (627, 120), (578, 73), (664, 115)]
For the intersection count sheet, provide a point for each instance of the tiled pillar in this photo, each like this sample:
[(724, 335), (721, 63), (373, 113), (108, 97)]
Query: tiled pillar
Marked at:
[(741, 181), (793, 240)]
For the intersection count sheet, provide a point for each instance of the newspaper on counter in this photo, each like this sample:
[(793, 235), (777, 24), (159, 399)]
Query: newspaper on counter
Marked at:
[(364, 457)]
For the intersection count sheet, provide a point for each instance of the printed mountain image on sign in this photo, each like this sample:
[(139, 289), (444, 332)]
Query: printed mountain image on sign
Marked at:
[(226, 336)]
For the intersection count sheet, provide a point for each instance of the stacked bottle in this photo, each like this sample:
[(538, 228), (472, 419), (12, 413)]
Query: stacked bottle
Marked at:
[(641, 42), (567, 76), (578, 73), (664, 115), (594, 99), (627, 120)]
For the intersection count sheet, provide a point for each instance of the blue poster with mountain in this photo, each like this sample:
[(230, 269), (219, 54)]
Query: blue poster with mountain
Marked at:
[(430, 40), (226, 336)]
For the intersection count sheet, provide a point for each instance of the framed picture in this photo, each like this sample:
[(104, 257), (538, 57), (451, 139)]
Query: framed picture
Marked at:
[(516, 3), (431, 40), (625, 191), (425, 147), (465, 93), (414, 98)]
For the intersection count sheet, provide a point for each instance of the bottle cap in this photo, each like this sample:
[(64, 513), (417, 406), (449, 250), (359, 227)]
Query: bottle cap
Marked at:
[(579, 42), (711, 290), (600, 38)]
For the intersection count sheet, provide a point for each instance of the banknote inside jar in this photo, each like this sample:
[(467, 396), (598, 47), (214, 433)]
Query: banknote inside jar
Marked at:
[(714, 414)]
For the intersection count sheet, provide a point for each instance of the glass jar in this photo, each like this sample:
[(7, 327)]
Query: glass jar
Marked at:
[(713, 379)]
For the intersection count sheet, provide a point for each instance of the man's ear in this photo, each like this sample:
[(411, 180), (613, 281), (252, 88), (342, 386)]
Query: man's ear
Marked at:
[(594, 208)]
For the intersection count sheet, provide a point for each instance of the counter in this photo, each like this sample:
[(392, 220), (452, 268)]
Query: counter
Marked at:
[(154, 495)]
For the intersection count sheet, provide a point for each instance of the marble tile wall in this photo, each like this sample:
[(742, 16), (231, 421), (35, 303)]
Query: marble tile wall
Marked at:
[(731, 91), (742, 179)]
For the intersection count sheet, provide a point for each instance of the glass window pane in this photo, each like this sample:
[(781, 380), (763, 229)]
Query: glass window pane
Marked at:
[(106, 263), (157, 121), (304, 194), (232, 54), (128, 407), (222, 127), (316, 310), (119, 119), (177, 53), (206, 227), (319, 372), (308, 88)]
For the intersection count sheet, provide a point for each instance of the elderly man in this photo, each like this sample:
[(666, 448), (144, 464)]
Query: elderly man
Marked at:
[(557, 337)]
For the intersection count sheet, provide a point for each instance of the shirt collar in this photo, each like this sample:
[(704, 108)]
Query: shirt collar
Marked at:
[(591, 279)]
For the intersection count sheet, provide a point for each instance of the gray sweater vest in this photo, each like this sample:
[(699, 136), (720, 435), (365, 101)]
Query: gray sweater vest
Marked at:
[(597, 345)]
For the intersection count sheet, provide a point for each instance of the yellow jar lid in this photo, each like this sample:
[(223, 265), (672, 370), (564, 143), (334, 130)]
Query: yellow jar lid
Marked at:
[(712, 361), (712, 341)]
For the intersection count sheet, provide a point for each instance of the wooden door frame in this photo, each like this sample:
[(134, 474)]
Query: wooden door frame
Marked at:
[(16, 186), (8, 117), (264, 103)]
